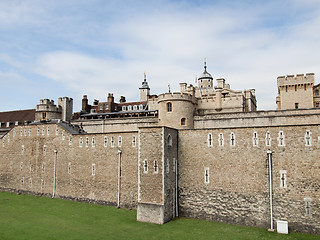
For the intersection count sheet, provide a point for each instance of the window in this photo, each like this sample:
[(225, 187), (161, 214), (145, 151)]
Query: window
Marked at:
[(168, 166), (31, 168), (221, 140), (174, 165), (135, 107), (43, 131), (281, 142), (87, 142), (29, 131), (283, 179), (123, 108), (70, 140), (42, 183), (317, 104), (44, 150), (22, 150), (101, 107), (268, 139), (295, 87), (105, 141), (93, 142), (183, 121), (20, 131), (63, 135), (57, 130), (169, 107), (296, 105), (14, 132), (140, 107), (43, 167), (93, 169), (317, 92), (134, 141), (112, 142), (145, 166), (155, 166), (38, 131), (255, 139), (206, 176), (25, 132), (307, 205), (16, 123), (48, 130), (21, 166), (307, 138), (305, 87), (69, 168), (129, 108), (169, 140), (286, 88), (232, 139), (209, 140), (119, 141), (80, 142), (44, 115)]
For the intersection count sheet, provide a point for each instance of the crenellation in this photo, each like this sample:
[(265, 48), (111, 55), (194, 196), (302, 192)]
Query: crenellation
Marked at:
[(203, 152)]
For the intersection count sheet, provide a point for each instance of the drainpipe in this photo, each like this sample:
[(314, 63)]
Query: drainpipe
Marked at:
[(119, 177), (54, 172), (269, 153), (177, 210)]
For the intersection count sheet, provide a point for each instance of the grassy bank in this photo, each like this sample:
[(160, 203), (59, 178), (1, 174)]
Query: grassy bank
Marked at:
[(30, 217)]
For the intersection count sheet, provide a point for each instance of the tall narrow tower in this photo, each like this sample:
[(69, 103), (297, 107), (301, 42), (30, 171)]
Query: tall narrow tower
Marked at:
[(144, 90)]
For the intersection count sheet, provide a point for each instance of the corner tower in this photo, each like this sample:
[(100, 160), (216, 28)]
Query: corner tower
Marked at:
[(144, 90), (295, 91), (176, 110)]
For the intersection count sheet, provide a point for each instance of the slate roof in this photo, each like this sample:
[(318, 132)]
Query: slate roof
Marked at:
[(14, 116)]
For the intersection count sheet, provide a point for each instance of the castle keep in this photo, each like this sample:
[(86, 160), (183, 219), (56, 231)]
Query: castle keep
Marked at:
[(204, 152)]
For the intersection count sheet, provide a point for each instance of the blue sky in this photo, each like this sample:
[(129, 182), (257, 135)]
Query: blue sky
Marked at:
[(50, 49)]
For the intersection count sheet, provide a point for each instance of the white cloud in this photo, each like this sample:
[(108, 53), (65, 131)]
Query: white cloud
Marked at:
[(93, 49)]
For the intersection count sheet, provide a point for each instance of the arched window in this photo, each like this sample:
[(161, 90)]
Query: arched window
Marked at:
[(317, 93), (169, 140), (183, 121), (169, 107)]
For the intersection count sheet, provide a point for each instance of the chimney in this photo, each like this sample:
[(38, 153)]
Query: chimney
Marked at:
[(122, 99)]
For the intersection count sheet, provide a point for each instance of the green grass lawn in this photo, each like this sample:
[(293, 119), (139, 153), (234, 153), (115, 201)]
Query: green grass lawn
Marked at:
[(30, 217)]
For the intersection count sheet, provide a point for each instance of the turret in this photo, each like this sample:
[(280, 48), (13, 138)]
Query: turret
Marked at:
[(144, 90), (205, 80)]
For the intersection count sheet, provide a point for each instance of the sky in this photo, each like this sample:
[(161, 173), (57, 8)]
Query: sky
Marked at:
[(57, 48)]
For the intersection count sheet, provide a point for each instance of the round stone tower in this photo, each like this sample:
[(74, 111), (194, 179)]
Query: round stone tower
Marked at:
[(176, 110)]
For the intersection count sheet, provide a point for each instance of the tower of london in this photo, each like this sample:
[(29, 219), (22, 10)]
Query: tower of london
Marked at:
[(203, 152)]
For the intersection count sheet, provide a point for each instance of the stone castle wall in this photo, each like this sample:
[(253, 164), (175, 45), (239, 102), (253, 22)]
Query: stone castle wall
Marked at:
[(238, 187), (222, 172), (87, 171)]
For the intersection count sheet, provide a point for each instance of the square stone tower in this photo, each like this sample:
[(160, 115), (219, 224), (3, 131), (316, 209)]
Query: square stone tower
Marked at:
[(295, 92), (157, 174)]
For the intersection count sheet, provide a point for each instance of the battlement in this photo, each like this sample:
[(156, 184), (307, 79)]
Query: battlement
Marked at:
[(177, 96), (295, 79), (47, 105)]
